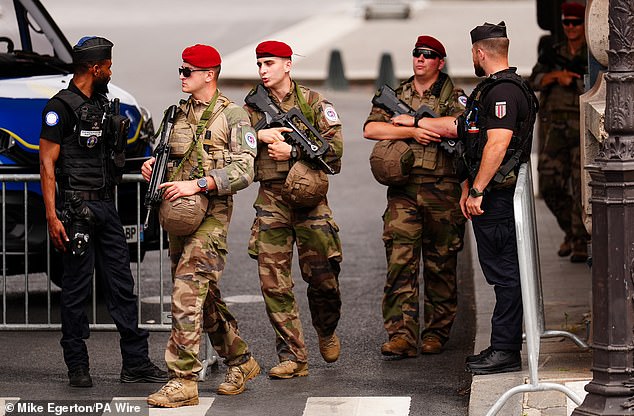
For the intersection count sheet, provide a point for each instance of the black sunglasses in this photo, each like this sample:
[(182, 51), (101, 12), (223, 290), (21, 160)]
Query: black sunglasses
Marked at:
[(427, 54), (573, 22), (187, 72)]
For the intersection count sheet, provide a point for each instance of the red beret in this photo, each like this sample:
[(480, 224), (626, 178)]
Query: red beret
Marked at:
[(573, 10), (273, 48), (431, 43), (202, 56)]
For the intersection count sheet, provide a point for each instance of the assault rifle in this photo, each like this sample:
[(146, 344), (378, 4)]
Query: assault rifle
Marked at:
[(387, 99), (154, 195), (312, 144), (577, 64)]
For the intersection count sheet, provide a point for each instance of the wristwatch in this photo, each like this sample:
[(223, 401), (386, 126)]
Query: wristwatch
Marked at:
[(293, 152), (417, 119), (475, 193), (202, 184)]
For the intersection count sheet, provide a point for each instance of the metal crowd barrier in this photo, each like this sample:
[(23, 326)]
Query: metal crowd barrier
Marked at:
[(161, 322), (532, 295)]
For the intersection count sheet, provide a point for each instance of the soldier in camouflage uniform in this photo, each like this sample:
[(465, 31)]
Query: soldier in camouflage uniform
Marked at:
[(559, 77), (212, 151), (422, 216), (279, 224)]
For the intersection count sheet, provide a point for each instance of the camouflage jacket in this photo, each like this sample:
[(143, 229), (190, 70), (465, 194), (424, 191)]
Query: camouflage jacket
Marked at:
[(445, 100), (326, 122), (555, 97), (226, 147)]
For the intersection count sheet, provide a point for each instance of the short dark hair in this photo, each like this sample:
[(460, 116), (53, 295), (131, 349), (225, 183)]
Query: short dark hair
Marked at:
[(495, 46), (83, 67)]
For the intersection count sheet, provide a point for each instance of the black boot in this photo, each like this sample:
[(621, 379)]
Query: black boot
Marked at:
[(79, 377), (143, 373), (497, 361)]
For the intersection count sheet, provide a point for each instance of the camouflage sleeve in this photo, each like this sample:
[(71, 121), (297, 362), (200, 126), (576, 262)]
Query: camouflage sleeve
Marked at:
[(254, 116), (538, 72), (455, 104), (328, 124), (239, 172), (378, 114), (544, 65)]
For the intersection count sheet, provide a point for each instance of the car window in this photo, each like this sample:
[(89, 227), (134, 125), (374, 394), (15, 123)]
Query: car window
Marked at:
[(9, 30)]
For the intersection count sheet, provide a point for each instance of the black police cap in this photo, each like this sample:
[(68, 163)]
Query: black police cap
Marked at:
[(91, 49), (488, 31)]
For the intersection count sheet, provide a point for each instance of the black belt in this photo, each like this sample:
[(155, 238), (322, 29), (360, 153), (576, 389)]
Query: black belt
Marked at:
[(99, 195)]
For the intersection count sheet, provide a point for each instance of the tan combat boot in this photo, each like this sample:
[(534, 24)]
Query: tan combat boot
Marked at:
[(237, 377), (177, 392), (289, 369), (329, 347), (399, 347), (565, 248), (579, 251), (432, 344)]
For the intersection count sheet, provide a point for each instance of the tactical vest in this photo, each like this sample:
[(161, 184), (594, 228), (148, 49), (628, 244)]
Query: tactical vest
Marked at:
[(267, 169), (429, 159), (471, 131), (209, 151), (84, 163)]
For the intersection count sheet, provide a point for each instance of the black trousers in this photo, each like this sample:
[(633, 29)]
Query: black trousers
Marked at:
[(497, 253), (108, 253)]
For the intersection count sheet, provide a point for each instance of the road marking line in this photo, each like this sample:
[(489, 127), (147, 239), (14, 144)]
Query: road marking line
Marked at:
[(198, 410), (309, 35), (357, 406), (3, 404)]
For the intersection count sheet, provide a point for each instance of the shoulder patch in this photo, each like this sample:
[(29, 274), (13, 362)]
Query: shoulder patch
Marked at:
[(250, 140), (330, 113), (463, 100), (500, 109), (51, 118)]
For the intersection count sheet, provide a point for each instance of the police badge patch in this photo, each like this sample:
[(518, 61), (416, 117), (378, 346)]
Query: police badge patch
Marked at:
[(500, 109), (51, 118), (249, 138)]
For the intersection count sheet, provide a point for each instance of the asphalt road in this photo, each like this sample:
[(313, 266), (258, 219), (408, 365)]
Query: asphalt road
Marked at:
[(32, 365), (146, 56)]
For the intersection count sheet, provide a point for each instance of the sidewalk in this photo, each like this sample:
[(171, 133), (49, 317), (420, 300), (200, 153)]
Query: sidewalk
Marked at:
[(567, 299)]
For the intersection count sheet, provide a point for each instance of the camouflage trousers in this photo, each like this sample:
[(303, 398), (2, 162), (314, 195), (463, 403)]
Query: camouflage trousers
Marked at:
[(275, 229), (422, 217), (197, 264), (560, 172)]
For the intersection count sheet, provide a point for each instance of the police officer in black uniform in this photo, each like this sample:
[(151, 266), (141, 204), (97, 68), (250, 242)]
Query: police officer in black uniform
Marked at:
[(496, 129), (81, 144)]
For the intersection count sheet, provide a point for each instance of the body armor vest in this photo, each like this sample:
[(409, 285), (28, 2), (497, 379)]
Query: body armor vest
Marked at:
[(85, 165), (211, 148), (267, 169), (430, 159), (471, 131)]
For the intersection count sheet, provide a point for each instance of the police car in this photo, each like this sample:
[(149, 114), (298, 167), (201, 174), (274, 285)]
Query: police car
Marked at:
[(35, 63)]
